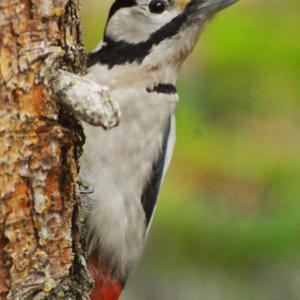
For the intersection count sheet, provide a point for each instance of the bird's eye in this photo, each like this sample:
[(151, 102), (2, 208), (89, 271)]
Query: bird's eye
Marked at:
[(157, 6)]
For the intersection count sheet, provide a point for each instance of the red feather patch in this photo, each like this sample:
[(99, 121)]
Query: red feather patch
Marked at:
[(105, 287)]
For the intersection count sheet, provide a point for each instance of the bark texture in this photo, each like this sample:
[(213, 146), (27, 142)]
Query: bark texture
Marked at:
[(40, 248)]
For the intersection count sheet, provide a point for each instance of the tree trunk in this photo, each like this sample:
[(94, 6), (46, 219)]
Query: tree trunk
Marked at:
[(41, 253)]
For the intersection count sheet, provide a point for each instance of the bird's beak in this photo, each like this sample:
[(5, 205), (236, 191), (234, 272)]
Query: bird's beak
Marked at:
[(211, 7), (207, 8)]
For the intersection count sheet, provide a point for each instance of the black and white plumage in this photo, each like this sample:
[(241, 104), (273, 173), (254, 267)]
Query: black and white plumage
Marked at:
[(144, 46)]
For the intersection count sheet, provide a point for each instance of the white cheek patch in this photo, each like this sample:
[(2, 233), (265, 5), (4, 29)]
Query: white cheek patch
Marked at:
[(136, 24)]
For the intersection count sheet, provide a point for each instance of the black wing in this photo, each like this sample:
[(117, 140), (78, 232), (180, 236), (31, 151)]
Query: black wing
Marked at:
[(151, 189)]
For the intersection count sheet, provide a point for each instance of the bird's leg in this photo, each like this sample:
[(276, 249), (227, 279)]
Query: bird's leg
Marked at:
[(85, 188)]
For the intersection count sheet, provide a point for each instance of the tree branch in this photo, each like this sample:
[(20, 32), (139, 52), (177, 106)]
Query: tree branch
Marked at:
[(41, 222)]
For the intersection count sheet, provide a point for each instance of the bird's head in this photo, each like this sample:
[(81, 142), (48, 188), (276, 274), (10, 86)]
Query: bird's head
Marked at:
[(146, 41), (155, 32)]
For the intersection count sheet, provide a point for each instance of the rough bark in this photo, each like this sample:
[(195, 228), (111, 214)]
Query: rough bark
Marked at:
[(41, 254)]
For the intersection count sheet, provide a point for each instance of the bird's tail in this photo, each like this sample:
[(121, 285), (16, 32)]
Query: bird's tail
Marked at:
[(105, 288)]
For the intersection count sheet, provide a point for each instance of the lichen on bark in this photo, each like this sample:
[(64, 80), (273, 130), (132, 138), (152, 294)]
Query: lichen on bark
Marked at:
[(40, 215)]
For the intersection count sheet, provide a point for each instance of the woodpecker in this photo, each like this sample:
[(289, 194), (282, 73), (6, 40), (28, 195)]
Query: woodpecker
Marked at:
[(145, 42)]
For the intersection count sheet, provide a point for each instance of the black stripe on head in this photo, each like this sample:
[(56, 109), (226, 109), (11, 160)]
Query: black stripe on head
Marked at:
[(120, 4), (120, 52)]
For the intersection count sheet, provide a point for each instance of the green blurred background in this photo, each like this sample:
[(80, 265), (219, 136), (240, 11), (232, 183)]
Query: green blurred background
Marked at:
[(228, 222)]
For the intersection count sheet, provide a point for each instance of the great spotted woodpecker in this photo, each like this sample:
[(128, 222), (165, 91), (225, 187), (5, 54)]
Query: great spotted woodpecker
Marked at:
[(145, 43)]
